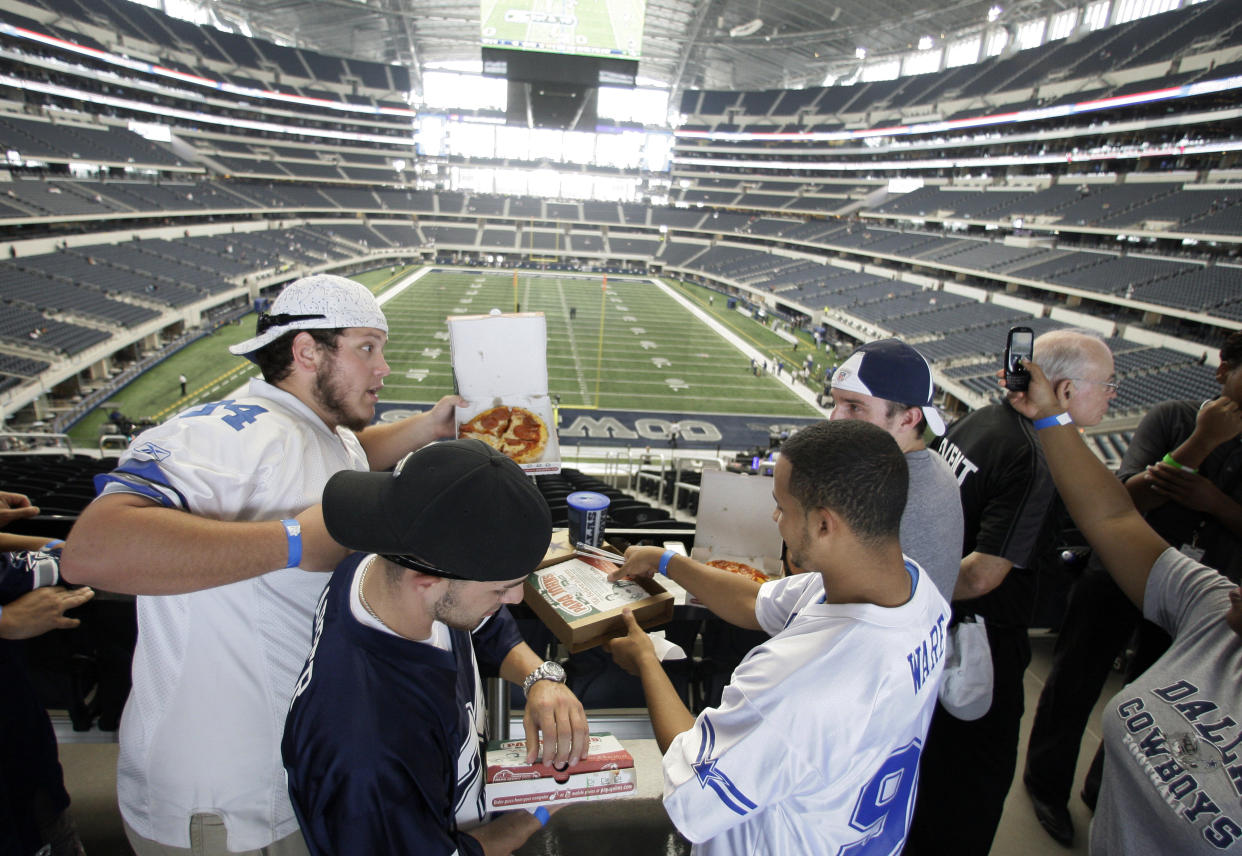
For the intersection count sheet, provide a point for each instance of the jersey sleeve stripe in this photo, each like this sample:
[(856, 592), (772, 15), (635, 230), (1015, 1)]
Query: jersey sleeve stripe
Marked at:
[(144, 478)]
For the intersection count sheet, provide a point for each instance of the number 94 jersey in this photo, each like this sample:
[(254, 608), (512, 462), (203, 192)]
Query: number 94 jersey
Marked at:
[(214, 669), (816, 743)]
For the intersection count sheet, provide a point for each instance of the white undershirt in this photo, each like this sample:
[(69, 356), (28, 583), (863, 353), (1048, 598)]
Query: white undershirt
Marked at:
[(439, 630)]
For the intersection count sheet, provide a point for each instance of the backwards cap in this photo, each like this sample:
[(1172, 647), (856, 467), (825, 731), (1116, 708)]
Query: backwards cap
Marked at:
[(892, 370), (320, 302), (457, 509)]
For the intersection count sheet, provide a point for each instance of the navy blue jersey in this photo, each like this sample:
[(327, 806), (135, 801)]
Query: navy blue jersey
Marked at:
[(377, 728), (23, 571)]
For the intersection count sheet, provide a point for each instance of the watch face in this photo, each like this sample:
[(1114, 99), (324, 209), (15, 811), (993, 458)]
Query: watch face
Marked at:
[(554, 671)]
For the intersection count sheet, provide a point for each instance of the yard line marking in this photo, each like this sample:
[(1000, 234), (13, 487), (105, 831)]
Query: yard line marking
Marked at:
[(573, 342), (210, 386)]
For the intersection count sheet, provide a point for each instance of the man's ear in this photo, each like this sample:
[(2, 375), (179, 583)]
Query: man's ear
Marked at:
[(1222, 371), (1063, 390), (822, 522), (307, 353), (427, 586), (910, 418)]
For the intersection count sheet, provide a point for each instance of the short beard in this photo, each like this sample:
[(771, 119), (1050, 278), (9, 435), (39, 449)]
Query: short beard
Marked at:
[(331, 400), (444, 610)]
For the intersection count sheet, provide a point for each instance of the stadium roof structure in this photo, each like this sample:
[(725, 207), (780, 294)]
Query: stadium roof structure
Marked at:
[(712, 44)]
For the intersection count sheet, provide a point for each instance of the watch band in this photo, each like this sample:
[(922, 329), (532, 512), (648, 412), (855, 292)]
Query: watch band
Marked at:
[(545, 671)]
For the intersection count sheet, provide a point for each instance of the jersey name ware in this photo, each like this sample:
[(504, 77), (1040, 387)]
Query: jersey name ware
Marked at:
[(816, 743)]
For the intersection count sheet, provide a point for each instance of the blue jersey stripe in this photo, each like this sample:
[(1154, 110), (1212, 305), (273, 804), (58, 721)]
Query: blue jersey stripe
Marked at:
[(145, 478)]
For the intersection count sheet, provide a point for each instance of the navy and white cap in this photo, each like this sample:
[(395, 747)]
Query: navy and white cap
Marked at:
[(320, 302), (892, 370)]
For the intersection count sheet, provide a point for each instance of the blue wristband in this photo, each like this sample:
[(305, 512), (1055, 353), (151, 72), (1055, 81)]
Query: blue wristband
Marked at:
[(54, 544), (541, 814), (293, 535), (665, 559), (1049, 421)]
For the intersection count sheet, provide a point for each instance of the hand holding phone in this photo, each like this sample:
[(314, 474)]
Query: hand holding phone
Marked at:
[(1019, 346)]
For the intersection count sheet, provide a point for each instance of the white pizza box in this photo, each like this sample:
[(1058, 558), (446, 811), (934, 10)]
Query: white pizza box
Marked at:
[(735, 522), (502, 359), (576, 602), (606, 772)]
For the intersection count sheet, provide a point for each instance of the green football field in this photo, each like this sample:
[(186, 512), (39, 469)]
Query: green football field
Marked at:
[(627, 347)]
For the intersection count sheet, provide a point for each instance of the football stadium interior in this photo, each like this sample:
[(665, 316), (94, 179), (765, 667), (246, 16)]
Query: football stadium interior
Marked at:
[(712, 202)]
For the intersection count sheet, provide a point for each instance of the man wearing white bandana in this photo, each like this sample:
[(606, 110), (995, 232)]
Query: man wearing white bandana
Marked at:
[(215, 513)]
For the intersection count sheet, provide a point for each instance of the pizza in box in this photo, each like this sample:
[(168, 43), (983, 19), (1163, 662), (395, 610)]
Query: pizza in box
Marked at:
[(739, 568), (513, 431)]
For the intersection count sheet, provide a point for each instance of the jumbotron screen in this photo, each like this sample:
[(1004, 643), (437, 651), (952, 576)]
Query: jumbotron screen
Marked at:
[(603, 28)]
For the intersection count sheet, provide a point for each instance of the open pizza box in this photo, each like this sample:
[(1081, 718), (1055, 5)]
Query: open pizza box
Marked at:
[(735, 522), (560, 549), (606, 772), (576, 602), (501, 361)]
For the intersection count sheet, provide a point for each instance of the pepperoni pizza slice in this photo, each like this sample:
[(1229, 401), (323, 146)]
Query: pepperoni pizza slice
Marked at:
[(515, 431), (739, 568)]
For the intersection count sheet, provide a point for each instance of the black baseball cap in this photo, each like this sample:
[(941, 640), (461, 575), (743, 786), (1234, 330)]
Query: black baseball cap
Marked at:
[(457, 509)]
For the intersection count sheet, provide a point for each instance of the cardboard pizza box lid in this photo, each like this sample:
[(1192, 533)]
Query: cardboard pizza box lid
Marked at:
[(506, 760), (582, 609), (607, 772), (735, 518), (505, 354), (501, 360)]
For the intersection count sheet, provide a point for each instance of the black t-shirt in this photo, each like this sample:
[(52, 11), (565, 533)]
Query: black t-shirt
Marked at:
[(1165, 427), (1007, 502)]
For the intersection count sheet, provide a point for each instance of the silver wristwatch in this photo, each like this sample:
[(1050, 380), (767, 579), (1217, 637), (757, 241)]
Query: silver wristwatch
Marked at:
[(547, 671)]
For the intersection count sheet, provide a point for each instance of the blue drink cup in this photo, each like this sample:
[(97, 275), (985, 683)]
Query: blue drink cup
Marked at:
[(587, 510)]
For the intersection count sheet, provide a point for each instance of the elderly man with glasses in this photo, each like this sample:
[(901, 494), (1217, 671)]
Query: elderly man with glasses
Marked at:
[(1008, 501)]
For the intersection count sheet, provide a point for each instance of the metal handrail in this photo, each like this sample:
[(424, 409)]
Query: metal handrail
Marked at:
[(18, 446)]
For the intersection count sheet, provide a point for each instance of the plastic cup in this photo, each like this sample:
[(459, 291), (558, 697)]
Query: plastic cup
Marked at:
[(587, 511)]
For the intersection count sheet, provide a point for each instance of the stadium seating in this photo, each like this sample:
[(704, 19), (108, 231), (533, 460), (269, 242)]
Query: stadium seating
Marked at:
[(723, 225)]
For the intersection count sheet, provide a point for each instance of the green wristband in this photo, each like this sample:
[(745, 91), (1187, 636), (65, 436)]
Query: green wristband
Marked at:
[(1172, 462)]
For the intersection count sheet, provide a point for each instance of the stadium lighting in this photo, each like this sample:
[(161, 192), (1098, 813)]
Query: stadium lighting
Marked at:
[(994, 12), (925, 43), (860, 53)]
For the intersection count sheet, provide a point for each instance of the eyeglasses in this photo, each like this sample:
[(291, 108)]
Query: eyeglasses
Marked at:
[(1110, 385)]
